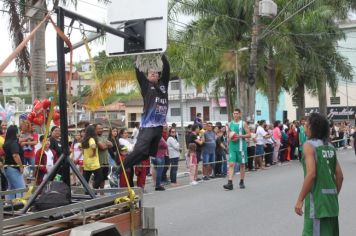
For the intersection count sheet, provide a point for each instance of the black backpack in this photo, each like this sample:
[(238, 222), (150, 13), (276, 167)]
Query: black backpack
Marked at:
[(56, 194)]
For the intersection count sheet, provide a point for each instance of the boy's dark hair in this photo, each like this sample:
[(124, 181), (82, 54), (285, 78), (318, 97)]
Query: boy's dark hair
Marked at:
[(194, 127), (276, 123), (319, 126), (53, 128), (41, 138), (237, 110)]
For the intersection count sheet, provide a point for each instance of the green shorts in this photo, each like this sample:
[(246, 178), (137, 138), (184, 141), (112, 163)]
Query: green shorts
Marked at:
[(321, 227), (238, 156)]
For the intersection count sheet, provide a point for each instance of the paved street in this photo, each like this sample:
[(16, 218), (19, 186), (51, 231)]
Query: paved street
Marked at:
[(265, 207)]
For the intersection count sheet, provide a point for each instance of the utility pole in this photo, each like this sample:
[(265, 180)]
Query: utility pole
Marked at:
[(182, 138), (253, 63), (347, 102), (267, 8)]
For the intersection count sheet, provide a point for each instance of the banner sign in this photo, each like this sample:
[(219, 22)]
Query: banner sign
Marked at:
[(335, 113)]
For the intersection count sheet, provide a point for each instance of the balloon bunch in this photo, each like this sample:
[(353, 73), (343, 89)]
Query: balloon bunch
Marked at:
[(40, 112)]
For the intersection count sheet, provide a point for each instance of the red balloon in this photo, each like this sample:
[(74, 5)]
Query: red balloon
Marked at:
[(39, 119), (56, 116), (35, 102), (30, 118), (57, 122), (46, 103), (38, 108)]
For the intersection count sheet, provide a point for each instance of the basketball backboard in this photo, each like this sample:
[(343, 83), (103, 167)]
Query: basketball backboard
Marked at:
[(146, 18)]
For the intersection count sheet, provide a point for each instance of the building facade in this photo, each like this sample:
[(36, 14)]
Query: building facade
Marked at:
[(10, 85), (194, 101)]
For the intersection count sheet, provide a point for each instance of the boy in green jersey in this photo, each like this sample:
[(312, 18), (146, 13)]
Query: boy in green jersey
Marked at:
[(322, 181), (238, 133)]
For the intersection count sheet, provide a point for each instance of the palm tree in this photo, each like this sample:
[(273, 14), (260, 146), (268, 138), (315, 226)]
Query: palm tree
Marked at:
[(319, 63), (219, 27), (288, 59)]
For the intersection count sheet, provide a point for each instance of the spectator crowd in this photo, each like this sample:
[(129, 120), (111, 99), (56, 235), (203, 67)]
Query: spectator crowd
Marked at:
[(97, 155)]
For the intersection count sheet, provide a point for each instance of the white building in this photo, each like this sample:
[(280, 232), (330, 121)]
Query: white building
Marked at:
[(194, 101)]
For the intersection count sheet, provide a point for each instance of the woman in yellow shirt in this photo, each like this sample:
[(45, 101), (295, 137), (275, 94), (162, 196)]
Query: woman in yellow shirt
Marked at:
[(91, 157)]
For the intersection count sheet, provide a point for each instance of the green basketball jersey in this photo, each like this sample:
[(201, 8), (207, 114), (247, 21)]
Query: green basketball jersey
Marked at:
[(238, 128), (322, 201)]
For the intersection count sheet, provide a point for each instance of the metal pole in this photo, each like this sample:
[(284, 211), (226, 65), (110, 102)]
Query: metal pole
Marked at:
[(253, 62), (237, 82), (1, 216), (347, 102), (99, 25), (76, 117), (181, 115), (63, 98)]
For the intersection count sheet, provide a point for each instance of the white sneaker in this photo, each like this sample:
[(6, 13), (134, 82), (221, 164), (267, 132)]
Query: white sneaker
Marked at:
[(193, 183)]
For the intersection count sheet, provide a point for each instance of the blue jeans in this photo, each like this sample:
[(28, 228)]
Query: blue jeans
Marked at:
[(15, 180), (111, 161), (209, 158), (31, 162), (174, 169), (158, 164)]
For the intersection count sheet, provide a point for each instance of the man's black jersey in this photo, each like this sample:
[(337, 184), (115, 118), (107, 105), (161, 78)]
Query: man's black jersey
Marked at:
[(155, 97)]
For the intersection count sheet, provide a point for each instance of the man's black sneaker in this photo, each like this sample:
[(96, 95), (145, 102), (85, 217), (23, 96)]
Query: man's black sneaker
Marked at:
[(229, 186), (160, 188), (205, 178), (242, 185)]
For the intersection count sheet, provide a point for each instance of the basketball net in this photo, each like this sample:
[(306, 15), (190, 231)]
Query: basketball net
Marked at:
[(149, 61)]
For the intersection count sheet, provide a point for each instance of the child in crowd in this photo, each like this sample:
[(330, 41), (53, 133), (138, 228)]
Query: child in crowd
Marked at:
[(141, 173), (129, 172), (46, 163), (193, 162), (77, 156)]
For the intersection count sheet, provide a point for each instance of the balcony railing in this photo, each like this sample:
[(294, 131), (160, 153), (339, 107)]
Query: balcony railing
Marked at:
[(187, 96)]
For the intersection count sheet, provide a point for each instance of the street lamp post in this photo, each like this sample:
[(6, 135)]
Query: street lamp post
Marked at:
[(237, 75), (347, 102)]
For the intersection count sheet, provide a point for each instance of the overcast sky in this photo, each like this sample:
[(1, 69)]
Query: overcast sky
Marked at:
[(89, 8)]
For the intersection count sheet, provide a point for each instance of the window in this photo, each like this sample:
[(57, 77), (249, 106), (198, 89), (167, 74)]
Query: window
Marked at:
[(113, 116), (50, 80), (335, 100), (100, 115), (175, 111), (258, 112), (132, 120), (133, 117), (8, 90), (175, 85), (223, 110)]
